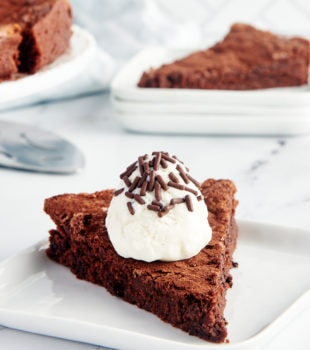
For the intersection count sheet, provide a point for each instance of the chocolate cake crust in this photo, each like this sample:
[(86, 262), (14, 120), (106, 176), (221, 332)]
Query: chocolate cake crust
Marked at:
[(189, 294), (247, 58)]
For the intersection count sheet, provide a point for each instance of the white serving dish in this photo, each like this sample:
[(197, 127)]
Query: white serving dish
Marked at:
[(215, 120), (64, 68), (38, 295)]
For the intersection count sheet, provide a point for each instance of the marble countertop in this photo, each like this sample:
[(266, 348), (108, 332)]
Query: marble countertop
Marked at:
[(271, 173)]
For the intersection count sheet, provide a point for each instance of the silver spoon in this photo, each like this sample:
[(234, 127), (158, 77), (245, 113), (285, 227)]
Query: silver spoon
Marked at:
[(30, 148)]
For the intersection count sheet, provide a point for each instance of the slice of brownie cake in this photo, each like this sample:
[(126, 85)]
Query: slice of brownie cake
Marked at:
[(247, 58), (189, 294)]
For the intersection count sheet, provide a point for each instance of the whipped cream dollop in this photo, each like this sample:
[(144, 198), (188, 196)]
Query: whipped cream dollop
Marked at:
[(158, 211)]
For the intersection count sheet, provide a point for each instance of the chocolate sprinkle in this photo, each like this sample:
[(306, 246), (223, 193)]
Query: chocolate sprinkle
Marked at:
[(142, 180), (157, 160), (162, 182), (157, 191), (182, 174), (158, 203), (176, 185), (169, 207), (130, 208), (141, 167), (143, 189), (177, 200), (194, 181), (117, 192), (184, 177), (139, 199), (173, 177), (163, 163), (168, 158), (153, 207), (134, 185), (235, 264), (163, 213), (130, 169), (189, 202), (151, 181), (146, 168), (127, 181), (165, 210), (129, 195), (191, 190)]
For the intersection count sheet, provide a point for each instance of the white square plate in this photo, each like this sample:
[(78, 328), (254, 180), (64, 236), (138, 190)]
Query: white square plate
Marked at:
[(171, 118), (40, 296)]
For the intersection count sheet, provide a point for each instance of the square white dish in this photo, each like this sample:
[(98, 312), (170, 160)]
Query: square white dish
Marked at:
[(40, 296), (194, 111), (210, 119)]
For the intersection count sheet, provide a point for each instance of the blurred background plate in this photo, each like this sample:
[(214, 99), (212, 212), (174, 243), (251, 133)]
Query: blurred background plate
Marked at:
[(212, 124)]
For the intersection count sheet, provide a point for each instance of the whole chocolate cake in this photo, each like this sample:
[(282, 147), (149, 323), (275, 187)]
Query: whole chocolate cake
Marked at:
[(45, 28), (188, 293), (247, 58)]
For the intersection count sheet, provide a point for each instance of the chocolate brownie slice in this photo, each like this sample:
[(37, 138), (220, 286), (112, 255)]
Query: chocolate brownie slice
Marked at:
[(247, 58), (189, 294)]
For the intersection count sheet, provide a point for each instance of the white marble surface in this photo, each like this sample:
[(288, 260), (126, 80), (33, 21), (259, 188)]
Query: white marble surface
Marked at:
[(271, 173)]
